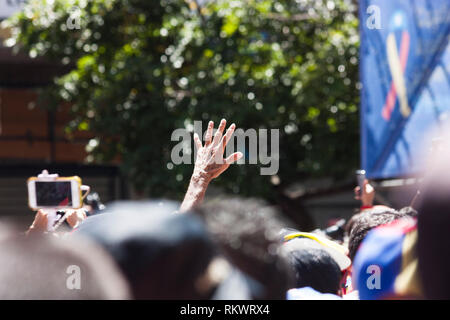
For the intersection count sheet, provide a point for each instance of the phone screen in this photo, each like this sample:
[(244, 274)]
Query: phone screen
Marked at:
[(53, 193)]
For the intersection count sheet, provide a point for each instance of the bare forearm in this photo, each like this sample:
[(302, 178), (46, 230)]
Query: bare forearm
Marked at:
[(195, 193)]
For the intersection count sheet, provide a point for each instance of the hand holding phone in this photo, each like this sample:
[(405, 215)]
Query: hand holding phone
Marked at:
[(40, 223), (48, 193), (53, 192), (364, 191)]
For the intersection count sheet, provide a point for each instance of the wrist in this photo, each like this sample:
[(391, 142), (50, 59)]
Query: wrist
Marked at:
[(367, 201), (200, 178), (196, 191)]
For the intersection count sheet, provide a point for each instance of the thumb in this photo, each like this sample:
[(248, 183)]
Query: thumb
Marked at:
[(234, 157)]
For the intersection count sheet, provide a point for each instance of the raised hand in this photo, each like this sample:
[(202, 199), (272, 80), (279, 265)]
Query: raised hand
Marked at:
[(210, 162), (366, 195)]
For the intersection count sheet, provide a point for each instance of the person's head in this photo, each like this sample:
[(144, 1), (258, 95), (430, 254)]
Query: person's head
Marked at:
[(162, 254), (46, 267), (247, 231), (360, 224), (313, 266)]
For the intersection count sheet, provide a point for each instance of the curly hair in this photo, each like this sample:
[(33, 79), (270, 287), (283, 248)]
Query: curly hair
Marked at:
[(360, 224)]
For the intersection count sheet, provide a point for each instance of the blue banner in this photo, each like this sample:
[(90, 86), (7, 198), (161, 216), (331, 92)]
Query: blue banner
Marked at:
[(405, 76)]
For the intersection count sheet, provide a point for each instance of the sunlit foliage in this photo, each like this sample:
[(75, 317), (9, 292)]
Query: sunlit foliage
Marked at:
[(144, 68)]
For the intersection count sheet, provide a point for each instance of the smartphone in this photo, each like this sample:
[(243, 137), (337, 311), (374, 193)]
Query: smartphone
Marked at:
[(58, 193), (360, 177)]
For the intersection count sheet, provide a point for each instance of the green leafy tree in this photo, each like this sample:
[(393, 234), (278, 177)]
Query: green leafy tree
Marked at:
[(140, 69)]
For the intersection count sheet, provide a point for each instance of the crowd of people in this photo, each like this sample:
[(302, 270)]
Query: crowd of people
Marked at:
[(231, 247)]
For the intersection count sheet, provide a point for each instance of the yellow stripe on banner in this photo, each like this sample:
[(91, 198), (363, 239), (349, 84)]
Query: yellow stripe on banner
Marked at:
[(408, 283)]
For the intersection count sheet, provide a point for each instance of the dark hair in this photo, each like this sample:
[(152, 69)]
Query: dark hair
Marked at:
[(360, 224), (314, 267), (40, 267), (247, 231)]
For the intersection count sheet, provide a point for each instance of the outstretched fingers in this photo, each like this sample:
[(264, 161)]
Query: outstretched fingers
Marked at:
[(197, 142), (209, 132), (219, 132), (226, 138)]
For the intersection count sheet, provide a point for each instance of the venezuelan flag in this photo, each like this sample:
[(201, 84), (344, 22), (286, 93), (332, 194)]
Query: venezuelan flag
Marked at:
[(386, 264)]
